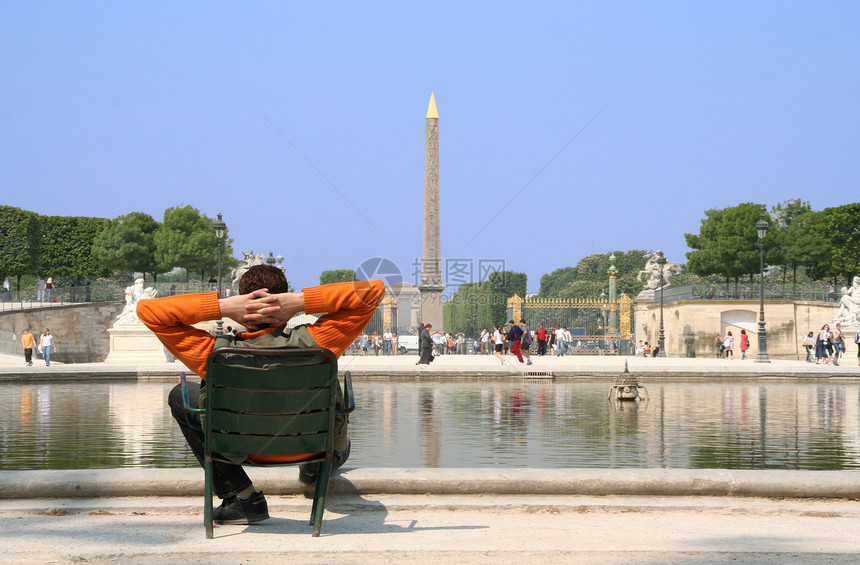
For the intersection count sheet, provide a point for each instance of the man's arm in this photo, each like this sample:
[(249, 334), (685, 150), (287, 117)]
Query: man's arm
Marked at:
[(350, 307), (171, 320)]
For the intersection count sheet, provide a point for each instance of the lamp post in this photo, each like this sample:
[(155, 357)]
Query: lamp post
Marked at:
[(220, 227), (470, 327), (280, 259), (761, 227), (661, 260)]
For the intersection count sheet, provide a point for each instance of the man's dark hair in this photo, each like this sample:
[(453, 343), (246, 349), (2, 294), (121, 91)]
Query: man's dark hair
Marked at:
[(263, 276)]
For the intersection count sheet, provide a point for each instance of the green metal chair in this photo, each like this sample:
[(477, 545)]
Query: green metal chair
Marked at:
[(270, 402)]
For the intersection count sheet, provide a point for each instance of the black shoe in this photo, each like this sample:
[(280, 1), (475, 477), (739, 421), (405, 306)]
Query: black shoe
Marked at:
[(308, 471), (235, 511)]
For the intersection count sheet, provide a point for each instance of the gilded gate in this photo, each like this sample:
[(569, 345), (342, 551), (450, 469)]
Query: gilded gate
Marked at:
[(597, 326)]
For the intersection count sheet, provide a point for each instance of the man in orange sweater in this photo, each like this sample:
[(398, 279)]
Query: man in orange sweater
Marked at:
[(264, 306)]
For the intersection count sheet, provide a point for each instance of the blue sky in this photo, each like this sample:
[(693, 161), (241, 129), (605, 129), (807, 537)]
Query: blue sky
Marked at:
[(109, 108)]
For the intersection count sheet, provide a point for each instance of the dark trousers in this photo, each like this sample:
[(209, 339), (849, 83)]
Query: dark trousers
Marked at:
[(541, 346), (28, 354), (426, 356), (227, 479)]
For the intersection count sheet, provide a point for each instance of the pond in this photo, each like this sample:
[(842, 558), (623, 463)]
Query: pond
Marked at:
[(473, 423)]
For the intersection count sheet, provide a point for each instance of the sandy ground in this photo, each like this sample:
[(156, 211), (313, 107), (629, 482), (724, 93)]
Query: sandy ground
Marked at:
[(427, 529)]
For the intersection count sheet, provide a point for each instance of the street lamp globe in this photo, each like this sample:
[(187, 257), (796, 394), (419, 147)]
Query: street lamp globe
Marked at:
[(761, 226), (219, 226)]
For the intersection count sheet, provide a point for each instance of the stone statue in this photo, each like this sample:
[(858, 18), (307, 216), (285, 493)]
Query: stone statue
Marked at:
[(134, 293), (849, 305), (248, 260), (652, 270)]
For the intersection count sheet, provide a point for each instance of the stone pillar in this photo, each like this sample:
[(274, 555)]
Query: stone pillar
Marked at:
[(389, 303), (431, 286), (515, 304)]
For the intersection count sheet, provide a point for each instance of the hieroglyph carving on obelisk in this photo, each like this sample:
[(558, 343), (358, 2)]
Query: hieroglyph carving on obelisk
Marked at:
[(431, 286)]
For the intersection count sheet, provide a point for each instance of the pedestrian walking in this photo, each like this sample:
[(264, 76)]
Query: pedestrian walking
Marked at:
[(838, 343), (823, 346), (526, 342), (425, 344), (745, 344), (485, 342), (729, 345), (47, 345), (498, 343), (809, 345), (514, 336), (49, 289), (28, 341), (857, 341), (541, 337), (377, 343), (560, 342), (386, 341)]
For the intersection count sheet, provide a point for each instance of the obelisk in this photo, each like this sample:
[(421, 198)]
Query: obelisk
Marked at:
[(431, 286)]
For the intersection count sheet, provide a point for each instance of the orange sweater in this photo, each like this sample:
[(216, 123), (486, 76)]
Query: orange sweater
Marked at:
[(350, 307)]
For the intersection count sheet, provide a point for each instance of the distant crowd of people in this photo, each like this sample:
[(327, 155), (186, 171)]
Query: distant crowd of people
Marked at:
[(45, 346), (828, 346), (726, 345), (45, 290)]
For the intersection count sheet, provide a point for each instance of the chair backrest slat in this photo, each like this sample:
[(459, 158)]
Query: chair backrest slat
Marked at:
[(269, 424), (264, 445), (268, 401)]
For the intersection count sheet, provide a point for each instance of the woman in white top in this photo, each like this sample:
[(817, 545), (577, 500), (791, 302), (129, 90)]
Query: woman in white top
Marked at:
[(499, 342), (822, 345), (46, 344), (729, 345)]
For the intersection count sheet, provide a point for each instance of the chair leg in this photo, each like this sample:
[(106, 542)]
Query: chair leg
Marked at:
[(207, 497), (320, 491)]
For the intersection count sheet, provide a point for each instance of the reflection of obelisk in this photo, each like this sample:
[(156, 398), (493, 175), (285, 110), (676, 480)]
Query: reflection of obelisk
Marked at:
[(431, 286)]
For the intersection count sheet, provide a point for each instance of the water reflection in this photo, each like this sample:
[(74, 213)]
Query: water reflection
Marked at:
[(564, 424)]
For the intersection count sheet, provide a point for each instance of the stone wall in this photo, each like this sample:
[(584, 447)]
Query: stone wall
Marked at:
[(786, 323), (80, 330)]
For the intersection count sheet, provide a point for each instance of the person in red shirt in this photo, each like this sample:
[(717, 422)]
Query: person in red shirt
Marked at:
[(264, 306), (541, 337)]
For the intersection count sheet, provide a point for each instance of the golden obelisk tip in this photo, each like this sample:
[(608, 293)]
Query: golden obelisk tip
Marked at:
[(431, 109)]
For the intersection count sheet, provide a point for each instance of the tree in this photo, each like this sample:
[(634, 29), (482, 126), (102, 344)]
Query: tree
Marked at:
[(728, 245), (337, 275), (66, 247), (128, 245), (187, 240), (807, 245), (501, 286), (19, 232), (843, 227), (590, 277), (784, 216), (552, 283)]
